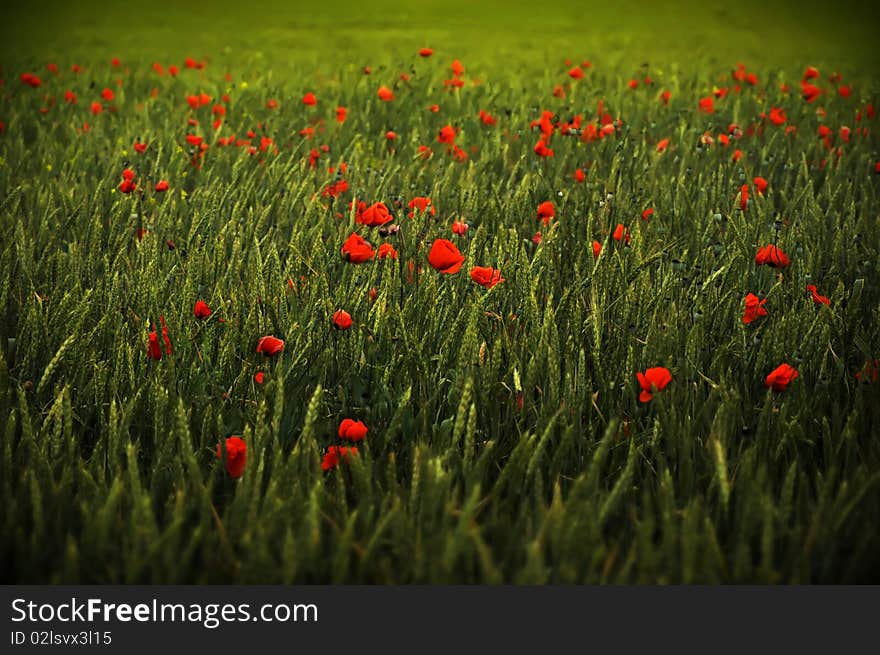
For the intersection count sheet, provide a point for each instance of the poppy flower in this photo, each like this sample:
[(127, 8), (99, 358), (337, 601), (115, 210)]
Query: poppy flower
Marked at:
[(653, 380), (772, 255), (341, 113), (633, 84), (648, 213), (425, 52), (259, 377), (336, 454), (201, 310), (356, 249), (576, 73), (780, 377), (341, 319), (621, 233), (161, 186), (707, 105), (154, 351), (139, 147), (236, 456), (445, 257), (818, 299), (597, 249), (777, 116), (352, 430), (108, 94), (542, 149), (386, 250), (270, 346), (486, 276), (309, 99), (811, 73), (421, 204), (486, 118), (390, 135), (194, 139), (446, 134), (665, 96), (744, 197), (579, 175), (754, 308), (97, 108), (760, 185), (127, 186), (662, 144), (459, 228), (546, 211), (385, 94), (375, 215)]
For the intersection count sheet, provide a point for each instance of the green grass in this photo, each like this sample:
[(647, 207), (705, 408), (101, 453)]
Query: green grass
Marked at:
[(506, 440)]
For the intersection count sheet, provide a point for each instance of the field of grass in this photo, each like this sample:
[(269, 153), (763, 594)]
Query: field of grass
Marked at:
[(509, 439)]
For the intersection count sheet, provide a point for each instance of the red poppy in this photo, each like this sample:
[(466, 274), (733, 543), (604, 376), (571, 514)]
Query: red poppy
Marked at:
[(236, 456), (744, 197), (597, 249), (754, 308), (385, 94), (386, 250), (633, 84), (108, 94), (201, 310), (446, 134), (579, 175), (161, 186), (309, 99), (336, 454), (546, 211), (662, 144), (486, 118), (707, 105), (259, 377), (193, 139), (780, 377), (772, 255), (154, 351), (97, 108), (341, 319), (459, 228), (486, 276), (777, 116), (421, 204), (653, 380), (445, 256), (760, 185), (139, 147), (648, 213), (817, 298), (352, 430), (576, 73), (665, 96), (542, 149), (375, 215), (341, 113), (270, 346), (621, 233), (31, 80), (390, 136), (425, 52), (356, 249), (127, 186)]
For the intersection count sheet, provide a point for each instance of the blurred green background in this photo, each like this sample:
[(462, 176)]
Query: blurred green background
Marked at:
[(490, 33)]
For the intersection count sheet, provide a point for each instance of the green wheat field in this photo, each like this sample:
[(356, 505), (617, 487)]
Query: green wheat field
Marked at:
[(576, 294)]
